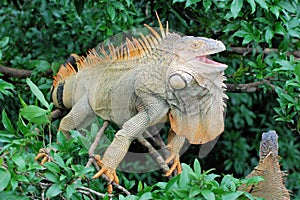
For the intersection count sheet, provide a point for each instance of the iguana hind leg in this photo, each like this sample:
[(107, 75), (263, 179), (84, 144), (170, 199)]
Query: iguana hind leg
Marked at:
[(175, 143), (80, 115)]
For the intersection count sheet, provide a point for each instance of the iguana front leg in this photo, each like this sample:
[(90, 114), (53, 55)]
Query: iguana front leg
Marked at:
[(80, 115), (175, 143), (131, 130)]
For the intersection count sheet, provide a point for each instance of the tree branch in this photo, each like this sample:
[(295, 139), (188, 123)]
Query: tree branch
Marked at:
[(245, 50), (17, 73), (249, 87), (156, 156), (89, 190), (96, 142)]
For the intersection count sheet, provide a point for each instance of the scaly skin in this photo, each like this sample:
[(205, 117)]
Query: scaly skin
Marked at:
[(272, 188), (137, 87)]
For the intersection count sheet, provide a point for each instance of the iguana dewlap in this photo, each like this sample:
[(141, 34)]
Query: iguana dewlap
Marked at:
[(140, 83), (272, 187)]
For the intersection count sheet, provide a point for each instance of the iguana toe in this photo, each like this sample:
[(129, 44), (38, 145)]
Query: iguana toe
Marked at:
[(44, 153), (175, 165), (110, 173)]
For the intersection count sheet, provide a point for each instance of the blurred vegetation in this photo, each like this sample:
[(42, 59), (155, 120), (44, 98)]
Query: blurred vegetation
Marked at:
[(39, 35)]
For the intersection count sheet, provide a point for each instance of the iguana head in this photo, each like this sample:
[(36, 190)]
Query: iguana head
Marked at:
[(196, 90)]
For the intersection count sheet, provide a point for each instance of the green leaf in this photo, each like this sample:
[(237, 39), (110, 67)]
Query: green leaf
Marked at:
[(253, 5), (52, 177), (111, 12), (140, 186), (197, 167), (6, 89), (207, 4), (130, 184), (285, 65), (172, 183), (6, 122), (262, 4), (61, 138), (181, 193), (59, 160), (184, 179), (35, 114), (19, 160), (269, 34), (247, 39), (207, 194), (194, 191), (236, 7), (279, 29), (4, 41), (79, 5), (70, 191), (36, 91), (275, 10), (4, 178), (232, 196), (52, 167), (146, 196), (53, 191), (297, 72), (39, 66), (188, 3)]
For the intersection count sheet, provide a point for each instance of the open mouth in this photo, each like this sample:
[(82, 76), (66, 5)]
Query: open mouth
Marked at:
[(208, 61)]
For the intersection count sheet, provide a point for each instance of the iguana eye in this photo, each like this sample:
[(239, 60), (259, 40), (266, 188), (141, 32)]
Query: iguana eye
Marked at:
[(179, 81), (197, 44)]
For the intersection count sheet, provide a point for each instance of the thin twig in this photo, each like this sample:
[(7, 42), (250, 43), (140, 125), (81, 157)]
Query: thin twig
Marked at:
[(245, 50), (157, 157), (249, 87), (94, 192), (158, 142), (87, 193)]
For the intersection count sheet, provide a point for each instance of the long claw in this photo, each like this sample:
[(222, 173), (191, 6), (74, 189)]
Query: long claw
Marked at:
[(110, 173), (175, 165), (45, 159), (44, 154), (99, 173), (40, 155)]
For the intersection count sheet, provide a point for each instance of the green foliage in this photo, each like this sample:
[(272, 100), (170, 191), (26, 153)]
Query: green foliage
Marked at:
[(38, 35), (196, 184)]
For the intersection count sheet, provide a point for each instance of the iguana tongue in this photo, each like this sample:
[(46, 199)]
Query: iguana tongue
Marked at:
[(204, 59)]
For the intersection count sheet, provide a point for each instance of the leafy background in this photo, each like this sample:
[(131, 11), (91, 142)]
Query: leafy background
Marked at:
[(39, 35)]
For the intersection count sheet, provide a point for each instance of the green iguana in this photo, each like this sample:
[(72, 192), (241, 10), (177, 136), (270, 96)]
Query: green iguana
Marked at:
[(150, 79), (272, 188)]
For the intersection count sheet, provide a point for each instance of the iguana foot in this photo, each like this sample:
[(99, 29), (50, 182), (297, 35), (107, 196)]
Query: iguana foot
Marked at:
[(176, 164), (44, 153), (110, 173)]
